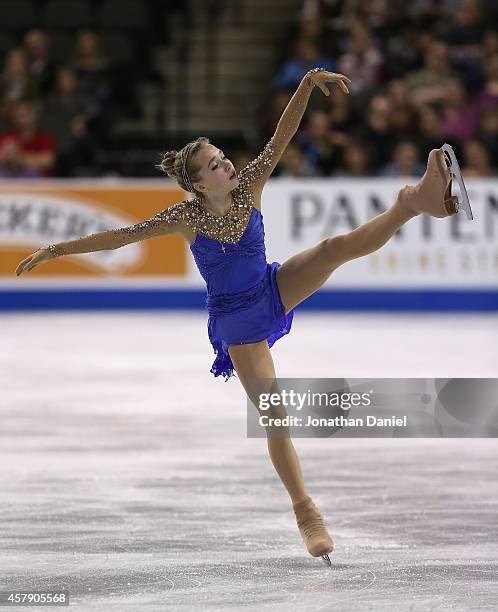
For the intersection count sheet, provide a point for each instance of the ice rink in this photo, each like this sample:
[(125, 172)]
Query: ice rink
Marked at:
[(127, 478)]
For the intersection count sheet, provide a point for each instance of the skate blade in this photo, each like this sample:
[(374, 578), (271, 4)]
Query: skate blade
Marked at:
[(326, 560), (454, 168)]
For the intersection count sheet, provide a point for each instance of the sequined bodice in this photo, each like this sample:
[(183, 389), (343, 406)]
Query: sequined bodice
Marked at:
[(227, 228), (227, 267), (229, 251)]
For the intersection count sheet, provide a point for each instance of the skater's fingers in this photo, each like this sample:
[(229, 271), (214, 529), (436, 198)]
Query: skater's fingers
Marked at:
[(30, 262), (343, 87), (33, 264), (340, 77), (22, 266), (321, 78)]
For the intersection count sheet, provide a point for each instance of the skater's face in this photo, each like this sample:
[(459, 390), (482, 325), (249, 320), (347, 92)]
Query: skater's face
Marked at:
[(217, 174)]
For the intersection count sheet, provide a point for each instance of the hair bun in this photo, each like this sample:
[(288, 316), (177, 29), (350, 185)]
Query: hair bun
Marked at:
[(168, 162), (174, 166)]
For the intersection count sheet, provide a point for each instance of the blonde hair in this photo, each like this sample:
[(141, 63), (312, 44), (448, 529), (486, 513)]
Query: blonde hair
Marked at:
[(180, 165)]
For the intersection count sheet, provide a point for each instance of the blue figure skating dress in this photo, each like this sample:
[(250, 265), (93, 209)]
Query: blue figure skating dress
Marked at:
[(243, 300)]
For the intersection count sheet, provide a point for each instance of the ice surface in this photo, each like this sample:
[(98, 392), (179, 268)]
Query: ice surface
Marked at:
[(126, 476)]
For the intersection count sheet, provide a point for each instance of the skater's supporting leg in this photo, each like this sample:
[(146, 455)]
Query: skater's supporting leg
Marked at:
[(254, 361), (304, 273)]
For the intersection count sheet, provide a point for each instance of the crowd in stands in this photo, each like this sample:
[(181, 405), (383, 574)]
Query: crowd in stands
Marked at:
[(423, 73), (69, 72), (52, 116)]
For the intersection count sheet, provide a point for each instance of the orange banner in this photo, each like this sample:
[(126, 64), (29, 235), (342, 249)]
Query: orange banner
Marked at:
[(33, 215)]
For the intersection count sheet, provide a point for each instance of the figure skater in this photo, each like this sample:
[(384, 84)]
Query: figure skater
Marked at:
[(251, 302)]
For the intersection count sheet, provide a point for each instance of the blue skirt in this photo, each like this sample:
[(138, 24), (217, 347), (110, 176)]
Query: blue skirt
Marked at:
[(246, 317)]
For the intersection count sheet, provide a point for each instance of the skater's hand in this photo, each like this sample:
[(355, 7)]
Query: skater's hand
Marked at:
[(35, 259), (322, 77)]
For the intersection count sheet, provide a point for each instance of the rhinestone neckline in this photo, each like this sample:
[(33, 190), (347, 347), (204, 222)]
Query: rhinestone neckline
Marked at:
[(216, 216)]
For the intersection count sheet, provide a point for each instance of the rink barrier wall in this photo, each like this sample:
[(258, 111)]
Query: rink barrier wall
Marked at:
[(323, 300)]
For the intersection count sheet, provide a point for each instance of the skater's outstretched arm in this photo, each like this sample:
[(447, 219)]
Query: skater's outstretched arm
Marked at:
[(259, 170), (168, 221)]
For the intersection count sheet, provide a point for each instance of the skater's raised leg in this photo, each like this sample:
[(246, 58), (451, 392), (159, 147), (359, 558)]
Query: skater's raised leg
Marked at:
[(302, 274)]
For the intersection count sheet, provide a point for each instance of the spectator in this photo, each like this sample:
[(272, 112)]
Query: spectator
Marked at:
[(379, 17), (94, 74), (15, 81), (324, 31), (488, 96), (403, 53), (488, 132), (465, 30), (398, 93), (405, 161), (37, 147), (294, 164), (40, 65), (355, 160), (427, 84), (64, 116), (330, 10), (425, 14), (362, 63), (404, 121), (310, 27), (278, 102), (341, 113), (306, 57), (476, 161), (459, 116), (489, 43), (378, 130), (316, 143), (403, 112), (12, 163), (430, 133)]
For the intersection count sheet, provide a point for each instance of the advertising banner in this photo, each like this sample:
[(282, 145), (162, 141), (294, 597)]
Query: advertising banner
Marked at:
[(429, 263), (426, 252), (36, 214)]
